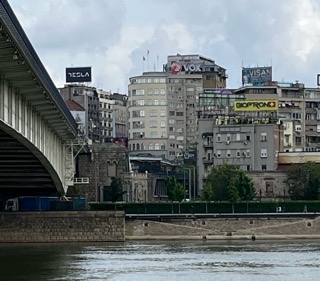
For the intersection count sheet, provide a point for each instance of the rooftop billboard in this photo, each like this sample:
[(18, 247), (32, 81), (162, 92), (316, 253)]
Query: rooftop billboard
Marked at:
[(256, 76), (78, 74), (261, 105)]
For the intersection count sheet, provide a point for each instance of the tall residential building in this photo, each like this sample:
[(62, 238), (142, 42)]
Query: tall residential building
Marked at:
[(105, 113), (163, 105)]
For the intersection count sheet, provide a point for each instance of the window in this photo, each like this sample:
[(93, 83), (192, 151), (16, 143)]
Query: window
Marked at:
[(218, 138), (172, 153), (248, 138), (153, 124), (156, 146), (162, 124), (264, 153), (179, 113), (162, 92), (156, 92), (171, 113), (156, 102), (296, 116), (150, 102), (228, 153), (139, 92), (162, 113), (218, 153), (171, 121), (138, 102), (138, 113), (150, 92), (163, 102), (263, 167), (153, 113), (248, 153), (238, 154), (171, 145), (228, 137), (153, 134), (263, 136), (171, 129), (248, 168), (269, 186), (150, 146), (237, 137)]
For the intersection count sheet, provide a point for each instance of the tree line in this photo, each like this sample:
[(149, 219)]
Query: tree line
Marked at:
[(229, 183)]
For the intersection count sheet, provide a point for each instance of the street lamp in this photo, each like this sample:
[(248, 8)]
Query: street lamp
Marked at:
[(190, 181)]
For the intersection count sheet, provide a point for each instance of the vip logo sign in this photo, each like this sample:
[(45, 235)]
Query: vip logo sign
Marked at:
[(262, 105), (78, 74)]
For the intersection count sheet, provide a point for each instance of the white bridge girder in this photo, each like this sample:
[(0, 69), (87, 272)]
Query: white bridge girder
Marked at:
[(36, 127), (22, 121)]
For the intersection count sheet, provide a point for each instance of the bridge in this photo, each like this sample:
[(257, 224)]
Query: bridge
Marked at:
[(37, 131)]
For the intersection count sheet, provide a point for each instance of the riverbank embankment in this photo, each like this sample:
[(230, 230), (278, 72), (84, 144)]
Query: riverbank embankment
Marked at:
[(254, 228)]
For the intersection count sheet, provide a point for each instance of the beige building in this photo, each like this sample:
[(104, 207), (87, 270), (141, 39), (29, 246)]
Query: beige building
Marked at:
[(163, 105)]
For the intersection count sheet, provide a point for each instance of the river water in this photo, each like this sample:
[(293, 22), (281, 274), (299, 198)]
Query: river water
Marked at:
[(148, 261)]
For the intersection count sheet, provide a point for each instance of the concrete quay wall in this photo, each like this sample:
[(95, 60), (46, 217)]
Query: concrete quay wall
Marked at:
[(223, 228), (39, 227)]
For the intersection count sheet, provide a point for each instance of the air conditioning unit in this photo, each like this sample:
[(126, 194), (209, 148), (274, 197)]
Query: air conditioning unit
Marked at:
[(245, 142), (227, 142)]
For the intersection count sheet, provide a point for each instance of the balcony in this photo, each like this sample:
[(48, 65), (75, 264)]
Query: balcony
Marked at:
[(207, 161)]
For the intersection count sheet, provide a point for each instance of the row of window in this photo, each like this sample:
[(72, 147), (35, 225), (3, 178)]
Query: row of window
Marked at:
[(150, 146), (231, 154), (150, 92), (152, 113), (230, 137), (149, 102), (147, 80)]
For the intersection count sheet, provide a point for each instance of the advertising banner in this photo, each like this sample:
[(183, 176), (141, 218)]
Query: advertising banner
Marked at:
[(256, 76), (78, 74), (261, 105)]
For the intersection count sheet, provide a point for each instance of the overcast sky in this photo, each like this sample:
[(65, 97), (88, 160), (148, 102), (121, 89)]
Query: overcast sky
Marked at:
[(112, 36)]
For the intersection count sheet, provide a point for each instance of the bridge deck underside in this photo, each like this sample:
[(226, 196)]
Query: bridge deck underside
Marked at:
[(21, 173)]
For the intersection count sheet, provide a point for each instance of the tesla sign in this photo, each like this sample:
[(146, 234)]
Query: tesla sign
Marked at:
[(78, 74)]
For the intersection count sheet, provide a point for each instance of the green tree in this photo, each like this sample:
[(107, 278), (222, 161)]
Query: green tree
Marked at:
[(175, 190), (207, 193), (228, 183), (244, 185), (115, 191), (304, 181), (233, 194)]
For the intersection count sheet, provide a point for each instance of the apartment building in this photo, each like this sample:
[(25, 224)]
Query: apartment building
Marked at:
[(163, 105), (298, 111), (105, 113), (252, 146)]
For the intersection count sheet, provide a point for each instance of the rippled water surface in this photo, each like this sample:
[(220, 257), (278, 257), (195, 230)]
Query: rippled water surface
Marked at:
[(142, 261)]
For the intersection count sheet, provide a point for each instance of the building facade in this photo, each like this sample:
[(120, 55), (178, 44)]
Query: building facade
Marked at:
[(163, 105), (105, 113), (251, 147), (299, 111)]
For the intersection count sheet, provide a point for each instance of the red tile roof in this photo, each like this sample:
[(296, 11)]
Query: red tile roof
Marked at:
[(74, 106)]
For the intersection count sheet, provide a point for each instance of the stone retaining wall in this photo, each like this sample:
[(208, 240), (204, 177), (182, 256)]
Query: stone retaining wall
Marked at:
[(222, 227), (85, 226)]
